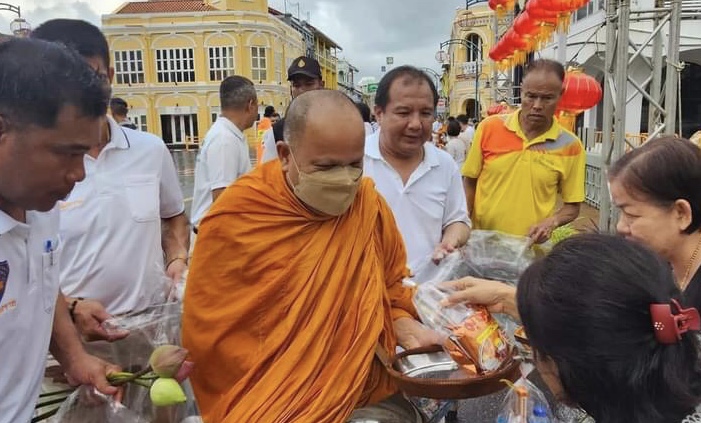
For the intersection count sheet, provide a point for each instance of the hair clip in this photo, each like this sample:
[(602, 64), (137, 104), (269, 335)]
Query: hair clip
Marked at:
[(669, 327)]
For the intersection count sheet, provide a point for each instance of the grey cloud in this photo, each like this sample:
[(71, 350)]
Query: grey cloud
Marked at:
[(370, 30), (39, 14)]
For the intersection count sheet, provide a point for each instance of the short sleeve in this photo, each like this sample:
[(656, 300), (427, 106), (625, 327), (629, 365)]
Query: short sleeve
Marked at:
[(223, 158), (456, 204), (171, 196), (572, 183)]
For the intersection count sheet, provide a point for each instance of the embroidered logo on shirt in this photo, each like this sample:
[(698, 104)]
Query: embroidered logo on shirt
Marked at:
[(4, 276)]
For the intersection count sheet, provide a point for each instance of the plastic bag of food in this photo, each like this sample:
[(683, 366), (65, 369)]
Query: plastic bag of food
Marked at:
[(86, 405), (525, 403), (473, 337)]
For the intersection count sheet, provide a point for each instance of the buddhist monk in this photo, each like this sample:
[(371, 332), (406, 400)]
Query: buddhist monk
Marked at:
[(295, 279)]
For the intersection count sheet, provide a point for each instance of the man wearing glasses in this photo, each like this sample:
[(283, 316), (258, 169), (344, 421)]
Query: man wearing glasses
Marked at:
[(519, 163)]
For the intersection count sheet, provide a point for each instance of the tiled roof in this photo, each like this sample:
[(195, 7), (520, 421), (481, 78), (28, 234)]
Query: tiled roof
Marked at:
[(166, 6)]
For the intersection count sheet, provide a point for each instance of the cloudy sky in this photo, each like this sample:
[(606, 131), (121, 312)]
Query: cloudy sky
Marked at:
[(367, 30)]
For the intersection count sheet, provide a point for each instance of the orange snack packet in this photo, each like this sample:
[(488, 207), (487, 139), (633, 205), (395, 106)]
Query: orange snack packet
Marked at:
[(481, 338)]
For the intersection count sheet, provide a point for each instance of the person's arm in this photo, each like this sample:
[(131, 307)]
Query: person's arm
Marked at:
[(456, 221), (175, 240), (175, 227), (572, 190), (541, 231), (498, 297), (88, 316), (80, 367), (470, 185)]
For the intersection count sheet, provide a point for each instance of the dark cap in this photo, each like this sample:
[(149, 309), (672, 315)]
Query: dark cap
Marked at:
[(304, 65)]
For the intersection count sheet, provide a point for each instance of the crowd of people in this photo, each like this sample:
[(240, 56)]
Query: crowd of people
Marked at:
[(298, 266)]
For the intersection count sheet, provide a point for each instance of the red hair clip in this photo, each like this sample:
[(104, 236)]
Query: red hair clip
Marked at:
[(670, 327)]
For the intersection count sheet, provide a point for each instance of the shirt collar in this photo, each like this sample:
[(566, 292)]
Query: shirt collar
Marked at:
[(372, 150), (118, 137), (231, 126), (513, 125), (7, 223)]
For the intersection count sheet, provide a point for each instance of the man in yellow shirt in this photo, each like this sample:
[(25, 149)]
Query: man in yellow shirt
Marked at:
[(519, 163)]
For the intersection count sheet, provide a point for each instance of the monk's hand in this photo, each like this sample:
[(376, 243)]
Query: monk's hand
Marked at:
[(497, 297), (442, 250), (541, 231), (412, 334)]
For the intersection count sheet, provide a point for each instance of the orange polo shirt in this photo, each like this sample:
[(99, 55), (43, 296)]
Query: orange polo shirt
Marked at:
[(518, 180)]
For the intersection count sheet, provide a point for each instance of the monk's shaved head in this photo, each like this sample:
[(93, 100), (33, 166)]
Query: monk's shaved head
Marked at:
[(323, 130), (317, 106)]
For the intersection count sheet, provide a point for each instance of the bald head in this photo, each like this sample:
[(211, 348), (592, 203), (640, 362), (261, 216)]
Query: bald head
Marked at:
[(323, 130), (321, 109)]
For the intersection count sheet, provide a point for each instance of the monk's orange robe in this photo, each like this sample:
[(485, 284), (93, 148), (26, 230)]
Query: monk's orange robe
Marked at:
[(283, 308)]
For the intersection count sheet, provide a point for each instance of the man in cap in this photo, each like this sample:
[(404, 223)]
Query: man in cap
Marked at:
[(304, 75)]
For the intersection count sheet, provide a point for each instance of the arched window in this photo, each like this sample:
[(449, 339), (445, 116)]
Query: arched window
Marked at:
[(474, 48)]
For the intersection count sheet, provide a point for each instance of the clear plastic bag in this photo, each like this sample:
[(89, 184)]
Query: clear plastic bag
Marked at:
[(525, 403), (473, 337), (157, 325), (487, 254), (86, 405)]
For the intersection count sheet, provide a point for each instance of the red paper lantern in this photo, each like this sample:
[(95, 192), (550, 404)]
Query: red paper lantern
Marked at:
[(501, 6), (529, 29), (563, 8), (514, 42), (581, 92), (498, 109)]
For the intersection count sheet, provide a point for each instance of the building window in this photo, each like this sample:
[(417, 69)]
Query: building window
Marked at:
[(140, 121), (589, 9), (278, 67), (175, 65), (258, 64), (221, 63), (129, 67), (474, 48)]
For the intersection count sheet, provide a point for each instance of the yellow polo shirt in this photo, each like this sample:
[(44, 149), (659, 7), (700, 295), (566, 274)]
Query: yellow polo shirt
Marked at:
[(518, 180)]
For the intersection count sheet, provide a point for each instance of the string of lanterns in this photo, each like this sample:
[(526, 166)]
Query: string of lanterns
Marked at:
[(532, 29)]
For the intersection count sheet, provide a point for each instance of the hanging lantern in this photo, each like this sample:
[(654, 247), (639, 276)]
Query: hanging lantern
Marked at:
[(580, 92), (563, 8), (502, 6), (498, 109), (501, 56), (547, 18), (517, 44), (529, 29)]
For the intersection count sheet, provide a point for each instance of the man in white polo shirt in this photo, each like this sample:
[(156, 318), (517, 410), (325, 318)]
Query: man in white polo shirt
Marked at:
[(117, 258), (51, 103), (421, 183), (224, 155)]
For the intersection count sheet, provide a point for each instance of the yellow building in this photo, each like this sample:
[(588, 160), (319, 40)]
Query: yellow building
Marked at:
[(467, 68), (170, 56)]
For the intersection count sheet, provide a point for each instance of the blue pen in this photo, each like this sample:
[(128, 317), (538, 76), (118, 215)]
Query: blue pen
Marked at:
[(49, 249)]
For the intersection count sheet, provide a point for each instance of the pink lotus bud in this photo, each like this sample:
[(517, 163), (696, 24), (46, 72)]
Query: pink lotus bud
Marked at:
[(167, 359), (184, 371)]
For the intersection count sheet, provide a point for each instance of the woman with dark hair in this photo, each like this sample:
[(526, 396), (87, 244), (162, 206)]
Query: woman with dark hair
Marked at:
[(657, 188), (454, 145), (599, 313)]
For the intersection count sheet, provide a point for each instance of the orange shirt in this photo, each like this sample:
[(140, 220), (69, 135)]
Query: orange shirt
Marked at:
[(283, 308)]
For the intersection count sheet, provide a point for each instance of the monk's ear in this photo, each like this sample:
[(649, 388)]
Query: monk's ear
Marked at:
[(283, 152)]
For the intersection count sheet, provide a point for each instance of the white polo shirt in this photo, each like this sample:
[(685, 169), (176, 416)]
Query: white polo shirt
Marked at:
[(223, 158), (432, 199), (28, 290), (111, 222)]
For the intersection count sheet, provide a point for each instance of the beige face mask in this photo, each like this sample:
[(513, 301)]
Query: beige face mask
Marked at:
[(328, 191)]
